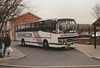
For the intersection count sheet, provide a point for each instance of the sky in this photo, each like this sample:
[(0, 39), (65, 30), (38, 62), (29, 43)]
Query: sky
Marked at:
[(80, 10)]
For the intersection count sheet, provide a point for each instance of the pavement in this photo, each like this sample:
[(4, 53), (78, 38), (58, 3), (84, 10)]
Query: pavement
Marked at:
[(88, 50), (16, 54)]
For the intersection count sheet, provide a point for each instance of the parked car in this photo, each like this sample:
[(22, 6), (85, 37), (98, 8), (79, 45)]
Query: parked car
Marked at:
[(97, 34), (84, 34)]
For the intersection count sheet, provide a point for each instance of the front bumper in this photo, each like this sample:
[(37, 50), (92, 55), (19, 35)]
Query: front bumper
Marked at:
[(63, 44)]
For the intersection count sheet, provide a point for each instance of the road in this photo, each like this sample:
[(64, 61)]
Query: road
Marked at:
[(37, 56), (50, 67), (12, 67)]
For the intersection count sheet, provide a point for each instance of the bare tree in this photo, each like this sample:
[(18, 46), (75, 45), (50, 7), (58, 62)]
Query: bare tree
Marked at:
[(10, 9), (96, 11)]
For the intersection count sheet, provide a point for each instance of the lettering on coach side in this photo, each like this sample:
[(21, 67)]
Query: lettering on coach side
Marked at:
[(27, 35), (19, 35)]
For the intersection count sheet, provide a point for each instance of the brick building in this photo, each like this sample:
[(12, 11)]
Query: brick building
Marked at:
[(84, 28), (98, 24), (25, 18), (85, 40)]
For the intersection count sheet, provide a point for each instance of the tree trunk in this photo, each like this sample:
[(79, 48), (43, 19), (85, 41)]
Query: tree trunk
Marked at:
[(1, 27)]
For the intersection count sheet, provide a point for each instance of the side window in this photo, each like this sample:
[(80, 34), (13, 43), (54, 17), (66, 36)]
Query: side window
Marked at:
[(22, 26), (54, 26), (47, 25), (36, 26), (41, 26), (50, 26), (33, 25), (28, 25), (16, 27)]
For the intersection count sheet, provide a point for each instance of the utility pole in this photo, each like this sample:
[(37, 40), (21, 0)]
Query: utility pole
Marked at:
[(94, 36)]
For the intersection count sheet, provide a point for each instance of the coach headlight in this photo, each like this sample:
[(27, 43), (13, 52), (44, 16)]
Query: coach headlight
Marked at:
[(60, 40), (65, 40)]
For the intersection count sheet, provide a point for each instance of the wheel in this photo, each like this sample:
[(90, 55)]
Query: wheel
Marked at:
[(45, 44), (23, 42), (63, 47)]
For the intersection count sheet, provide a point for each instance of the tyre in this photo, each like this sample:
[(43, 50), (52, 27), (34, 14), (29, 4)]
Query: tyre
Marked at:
[(45, 44), (23, 42)]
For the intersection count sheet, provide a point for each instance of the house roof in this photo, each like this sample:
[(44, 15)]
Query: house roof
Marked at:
[(96, 22), (25, 14), (84, 26)]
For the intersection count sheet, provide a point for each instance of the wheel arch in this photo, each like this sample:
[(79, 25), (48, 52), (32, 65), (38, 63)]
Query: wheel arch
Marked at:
[(45, 40), (23, 41), (45, 46)]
